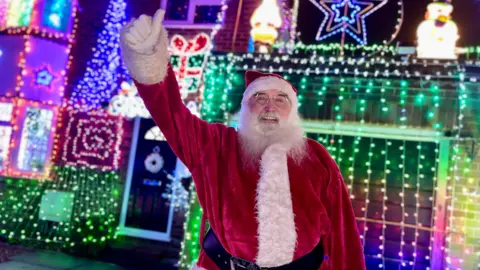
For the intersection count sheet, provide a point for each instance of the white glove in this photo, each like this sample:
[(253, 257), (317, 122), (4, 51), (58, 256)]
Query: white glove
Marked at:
[(144, 45), (144, 32)]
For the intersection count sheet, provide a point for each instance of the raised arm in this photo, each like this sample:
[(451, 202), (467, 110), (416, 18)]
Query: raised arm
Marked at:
[(144, 49)]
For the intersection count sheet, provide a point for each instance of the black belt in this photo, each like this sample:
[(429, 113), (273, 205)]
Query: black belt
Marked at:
[(225, 261)]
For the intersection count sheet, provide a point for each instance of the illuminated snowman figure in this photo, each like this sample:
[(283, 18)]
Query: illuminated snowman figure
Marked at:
[(438, 34)]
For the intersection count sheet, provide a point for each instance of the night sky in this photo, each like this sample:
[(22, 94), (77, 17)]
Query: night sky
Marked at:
[(380, 25)]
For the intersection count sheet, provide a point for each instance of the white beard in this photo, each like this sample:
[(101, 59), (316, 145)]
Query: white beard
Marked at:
[(255, 136)]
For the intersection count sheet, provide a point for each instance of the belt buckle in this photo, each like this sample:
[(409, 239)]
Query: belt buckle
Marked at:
[(241, 264)]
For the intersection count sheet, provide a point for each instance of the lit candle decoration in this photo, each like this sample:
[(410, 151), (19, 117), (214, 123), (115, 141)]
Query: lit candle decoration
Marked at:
[(265, 21)]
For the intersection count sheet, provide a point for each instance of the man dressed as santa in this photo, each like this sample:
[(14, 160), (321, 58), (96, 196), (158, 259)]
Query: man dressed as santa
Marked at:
[(273, 199)]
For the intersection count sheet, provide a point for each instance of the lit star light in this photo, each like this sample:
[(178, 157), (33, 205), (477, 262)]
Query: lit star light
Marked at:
[(346, 17), (44, 77)]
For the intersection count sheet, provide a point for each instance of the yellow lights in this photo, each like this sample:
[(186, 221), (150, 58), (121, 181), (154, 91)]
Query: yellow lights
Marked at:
[(438, 34), (265, 21)]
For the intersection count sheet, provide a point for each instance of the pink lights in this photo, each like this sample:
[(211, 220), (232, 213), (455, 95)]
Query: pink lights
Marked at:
[(92, 139)]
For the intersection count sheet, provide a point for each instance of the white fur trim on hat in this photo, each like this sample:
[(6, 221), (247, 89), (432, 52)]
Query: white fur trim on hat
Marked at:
[(267, 83)]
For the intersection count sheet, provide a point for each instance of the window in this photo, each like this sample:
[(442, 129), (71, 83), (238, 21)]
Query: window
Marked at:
[(5, 134), (206, 14), (191, 13), (5, 131), (177, 10), (34, 144), (5, 112), (154, 134)]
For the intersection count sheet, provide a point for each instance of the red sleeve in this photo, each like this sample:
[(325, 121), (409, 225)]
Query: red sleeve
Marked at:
[(185, 133), (342, 246)]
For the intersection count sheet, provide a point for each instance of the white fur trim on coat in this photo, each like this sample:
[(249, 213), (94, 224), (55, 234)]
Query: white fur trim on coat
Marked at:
[(277, 235), (196, 267), (267, 83), (146, 68)]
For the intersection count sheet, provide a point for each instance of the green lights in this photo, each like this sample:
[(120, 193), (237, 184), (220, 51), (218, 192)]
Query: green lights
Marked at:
[(366, 93), (191, 243), (24, 217)]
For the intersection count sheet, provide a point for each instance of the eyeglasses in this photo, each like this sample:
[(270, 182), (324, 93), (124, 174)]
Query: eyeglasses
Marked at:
[(280, 100)]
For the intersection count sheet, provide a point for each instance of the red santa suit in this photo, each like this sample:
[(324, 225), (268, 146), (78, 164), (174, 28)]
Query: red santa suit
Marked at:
[(271, 213)]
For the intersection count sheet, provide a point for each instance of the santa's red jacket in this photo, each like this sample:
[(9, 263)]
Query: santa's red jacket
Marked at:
[(272, 214)]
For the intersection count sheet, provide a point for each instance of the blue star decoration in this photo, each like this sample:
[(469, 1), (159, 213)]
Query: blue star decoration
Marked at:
[(44, 77), (346, 17)]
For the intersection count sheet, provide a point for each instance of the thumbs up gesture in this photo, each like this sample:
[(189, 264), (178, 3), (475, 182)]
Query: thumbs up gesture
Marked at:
[(144, 45), (144, 33)]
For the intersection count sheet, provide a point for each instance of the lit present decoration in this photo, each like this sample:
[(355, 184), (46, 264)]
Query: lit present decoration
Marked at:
[(191, 57)]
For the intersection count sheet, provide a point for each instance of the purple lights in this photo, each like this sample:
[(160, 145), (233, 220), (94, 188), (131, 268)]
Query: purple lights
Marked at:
[(11, 47), (43, 72)]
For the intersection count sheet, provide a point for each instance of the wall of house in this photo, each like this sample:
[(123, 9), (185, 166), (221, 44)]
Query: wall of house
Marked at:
[(235, 34)]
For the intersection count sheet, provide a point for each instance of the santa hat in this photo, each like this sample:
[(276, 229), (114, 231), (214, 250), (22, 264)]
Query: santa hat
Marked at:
[(257, 81)]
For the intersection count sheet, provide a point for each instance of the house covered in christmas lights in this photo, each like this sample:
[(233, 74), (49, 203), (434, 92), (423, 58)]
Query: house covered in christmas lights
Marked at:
[(83, 165)]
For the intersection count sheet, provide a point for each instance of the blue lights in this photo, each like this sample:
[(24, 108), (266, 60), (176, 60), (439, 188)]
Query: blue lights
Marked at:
[(346, 7), (346, 17), (57, 14), (341, 30), (44, 77), (360, 41), (105, 71)]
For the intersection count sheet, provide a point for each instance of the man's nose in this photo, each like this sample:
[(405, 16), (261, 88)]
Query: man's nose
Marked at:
[(269, 107)]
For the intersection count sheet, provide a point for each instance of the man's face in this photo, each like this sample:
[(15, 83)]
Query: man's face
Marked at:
[(268, 118), (270, 109)]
